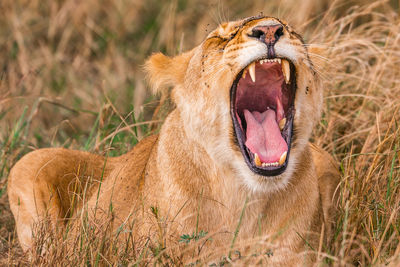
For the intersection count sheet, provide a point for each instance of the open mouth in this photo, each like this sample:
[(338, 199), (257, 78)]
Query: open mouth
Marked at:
[(262, 110)]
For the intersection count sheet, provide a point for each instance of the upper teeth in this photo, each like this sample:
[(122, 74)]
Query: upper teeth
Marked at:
[(262, 61), (286, 70), (284, 64), (252, 71)]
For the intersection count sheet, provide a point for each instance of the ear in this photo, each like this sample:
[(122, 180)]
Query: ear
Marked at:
[(318, 55), (164, 72)]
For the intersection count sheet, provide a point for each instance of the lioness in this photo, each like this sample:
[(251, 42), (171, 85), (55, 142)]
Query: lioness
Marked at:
[(234, 148)]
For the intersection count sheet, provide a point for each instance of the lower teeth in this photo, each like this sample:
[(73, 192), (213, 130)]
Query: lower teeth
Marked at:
[(274, 164), (258, 162)]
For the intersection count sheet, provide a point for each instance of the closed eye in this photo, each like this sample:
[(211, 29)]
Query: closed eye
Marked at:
[(218, 37), (232, 35)]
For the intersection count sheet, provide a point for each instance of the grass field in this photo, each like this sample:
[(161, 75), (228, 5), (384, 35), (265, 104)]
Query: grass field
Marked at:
[(71, 75)]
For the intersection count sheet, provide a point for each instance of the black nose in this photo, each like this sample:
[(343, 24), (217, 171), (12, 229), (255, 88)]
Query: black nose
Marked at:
[(268, 35)]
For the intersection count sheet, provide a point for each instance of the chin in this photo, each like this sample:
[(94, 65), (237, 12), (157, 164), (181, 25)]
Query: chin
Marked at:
[(265, 184)]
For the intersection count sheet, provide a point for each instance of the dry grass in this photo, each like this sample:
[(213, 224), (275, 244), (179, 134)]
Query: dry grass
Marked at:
[(71, 76)]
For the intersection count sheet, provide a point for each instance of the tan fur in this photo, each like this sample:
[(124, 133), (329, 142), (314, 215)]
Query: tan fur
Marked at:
[(193, 172)]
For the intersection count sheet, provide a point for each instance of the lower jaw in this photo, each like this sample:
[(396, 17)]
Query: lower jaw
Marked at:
[(270, 171)]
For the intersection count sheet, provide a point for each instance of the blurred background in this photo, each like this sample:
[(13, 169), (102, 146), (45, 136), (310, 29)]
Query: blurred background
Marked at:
[(71, 75)]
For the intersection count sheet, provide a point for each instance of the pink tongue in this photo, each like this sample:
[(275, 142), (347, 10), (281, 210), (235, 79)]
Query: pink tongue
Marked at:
[(263, 135)]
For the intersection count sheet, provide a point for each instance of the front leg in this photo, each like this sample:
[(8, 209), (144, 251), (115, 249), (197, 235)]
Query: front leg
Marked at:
[(48, 184)]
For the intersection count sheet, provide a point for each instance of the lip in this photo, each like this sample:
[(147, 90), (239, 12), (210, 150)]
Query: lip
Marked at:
[(287, 131)]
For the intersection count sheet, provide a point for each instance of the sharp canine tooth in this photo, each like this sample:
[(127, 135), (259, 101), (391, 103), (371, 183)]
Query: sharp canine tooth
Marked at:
[(286, 70), (283, 158), (282, 123), (257, 160), (279, 60), (252, 71), (244, 73)]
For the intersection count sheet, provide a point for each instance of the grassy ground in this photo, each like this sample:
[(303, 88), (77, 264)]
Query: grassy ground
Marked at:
[(71, 76)]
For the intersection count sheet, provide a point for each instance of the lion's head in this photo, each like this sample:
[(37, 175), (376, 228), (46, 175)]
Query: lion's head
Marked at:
[(248, 95)]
